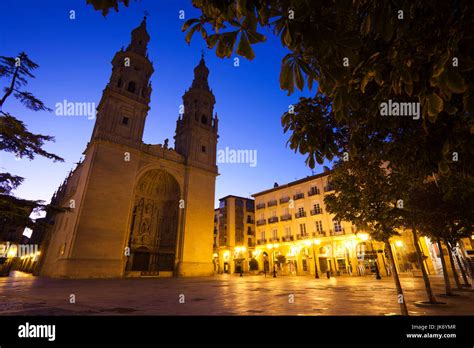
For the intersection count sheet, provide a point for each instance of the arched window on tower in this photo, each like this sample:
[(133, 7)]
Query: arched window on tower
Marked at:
[(119, 83), (131, 87), (204, 119)]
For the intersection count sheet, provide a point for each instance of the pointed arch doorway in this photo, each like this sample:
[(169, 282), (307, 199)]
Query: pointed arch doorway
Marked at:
[(154, 223)]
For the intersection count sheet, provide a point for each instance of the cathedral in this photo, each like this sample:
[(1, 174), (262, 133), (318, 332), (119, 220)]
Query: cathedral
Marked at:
[(136, 209)]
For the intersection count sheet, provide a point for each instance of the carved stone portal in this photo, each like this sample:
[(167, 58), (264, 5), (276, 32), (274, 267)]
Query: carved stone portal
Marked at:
[(154, 225)]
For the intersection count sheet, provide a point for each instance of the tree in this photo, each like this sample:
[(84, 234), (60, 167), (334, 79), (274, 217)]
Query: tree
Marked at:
[(361, 54), (105, 5), (15, 138), (368, 199), (443, 212)]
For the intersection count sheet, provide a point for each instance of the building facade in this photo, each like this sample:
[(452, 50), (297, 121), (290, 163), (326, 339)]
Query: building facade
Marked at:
[(137, 209), (234, 231), (296, 235)]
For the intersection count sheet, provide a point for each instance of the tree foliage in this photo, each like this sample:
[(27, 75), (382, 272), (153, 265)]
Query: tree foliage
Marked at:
[(404, 56), (15, 138), (105, 5)]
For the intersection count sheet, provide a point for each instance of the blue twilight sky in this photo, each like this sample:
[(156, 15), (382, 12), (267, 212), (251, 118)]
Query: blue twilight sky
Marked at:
[(74, 58)]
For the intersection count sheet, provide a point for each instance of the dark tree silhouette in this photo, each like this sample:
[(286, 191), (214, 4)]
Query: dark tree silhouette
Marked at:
[(15, 138)]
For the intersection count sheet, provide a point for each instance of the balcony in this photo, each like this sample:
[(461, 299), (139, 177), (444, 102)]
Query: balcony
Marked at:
[(260, 206), (261, 222), (285, 217), (251, 244), (250, 233), (250, 221), (275, 239), (302, 236), (261, 241), (319, 234), (314, 191), (300, 214), (284, 199), (287, 239), (298, 196), (338, 232), (273, 219), (316, 211), (272, 203)]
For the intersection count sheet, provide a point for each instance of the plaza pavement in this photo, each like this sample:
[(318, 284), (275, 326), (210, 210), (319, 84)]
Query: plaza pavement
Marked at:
[(22, 294)]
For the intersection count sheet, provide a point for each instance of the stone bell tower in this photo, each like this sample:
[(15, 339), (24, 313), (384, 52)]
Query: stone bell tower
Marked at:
[(196, 130), (124, 104)]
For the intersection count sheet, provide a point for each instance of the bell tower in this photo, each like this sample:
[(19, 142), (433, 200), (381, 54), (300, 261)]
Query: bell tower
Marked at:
[(196, 129), (124, 106)]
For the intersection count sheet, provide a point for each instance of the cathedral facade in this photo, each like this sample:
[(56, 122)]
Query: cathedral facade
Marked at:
[(137, 209)]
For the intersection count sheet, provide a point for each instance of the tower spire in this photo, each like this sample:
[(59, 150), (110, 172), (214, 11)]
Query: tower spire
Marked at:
[(140, 39), (201, 72)]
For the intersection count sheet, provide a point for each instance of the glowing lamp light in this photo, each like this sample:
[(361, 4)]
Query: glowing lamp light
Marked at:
[(317, 241), (270, 246), (308, 242), (12, 251), (276, 245), (399, 243), (214, 255), (364, 236), (226, 256), (243, 249)]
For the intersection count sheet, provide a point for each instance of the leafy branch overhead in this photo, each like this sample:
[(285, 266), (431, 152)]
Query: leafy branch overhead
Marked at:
[(361, 54), (242, 27)]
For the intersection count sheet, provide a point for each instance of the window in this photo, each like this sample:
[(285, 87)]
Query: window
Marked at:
[(119, 83), (274, 213), (319, 226), (303, 229), (288, 231), (125, 120), (131, 87), (262, 216), (203, 148), (204, 119), (317, 208), (337, 226), (275, 233), (262, 234), (301, 211)]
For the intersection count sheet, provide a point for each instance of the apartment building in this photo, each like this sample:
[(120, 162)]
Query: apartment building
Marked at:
[(295, 234), (234, 234)]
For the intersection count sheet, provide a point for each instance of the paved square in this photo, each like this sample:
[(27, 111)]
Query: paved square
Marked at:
[(222, 295)]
